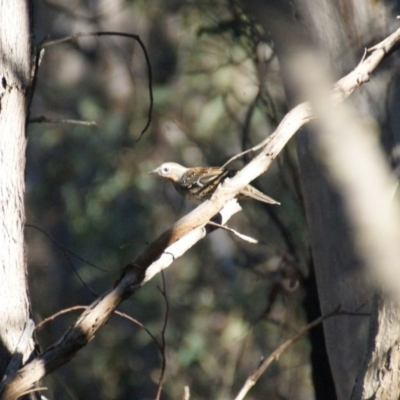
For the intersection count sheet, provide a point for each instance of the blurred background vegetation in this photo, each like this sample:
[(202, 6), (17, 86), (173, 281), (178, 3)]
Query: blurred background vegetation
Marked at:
[(217, 91)]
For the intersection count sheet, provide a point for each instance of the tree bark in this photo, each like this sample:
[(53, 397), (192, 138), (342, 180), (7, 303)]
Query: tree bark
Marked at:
[(342, 31), (379, 377), (15, 78), (339, 31)]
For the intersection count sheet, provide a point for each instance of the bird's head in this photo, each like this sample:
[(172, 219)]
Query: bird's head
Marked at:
[(170, 170)]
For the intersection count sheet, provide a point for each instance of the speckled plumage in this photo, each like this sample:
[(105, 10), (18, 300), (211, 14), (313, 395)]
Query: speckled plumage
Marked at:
[(199, 183)]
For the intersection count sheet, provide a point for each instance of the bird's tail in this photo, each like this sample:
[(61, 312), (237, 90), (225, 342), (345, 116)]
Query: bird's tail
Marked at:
[(250, 192)]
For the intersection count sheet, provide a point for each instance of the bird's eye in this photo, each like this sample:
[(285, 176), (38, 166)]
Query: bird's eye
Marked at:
[(165, 170)]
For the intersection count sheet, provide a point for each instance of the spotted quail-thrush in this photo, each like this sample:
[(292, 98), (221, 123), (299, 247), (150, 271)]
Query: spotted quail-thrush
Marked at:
[(199, 183)]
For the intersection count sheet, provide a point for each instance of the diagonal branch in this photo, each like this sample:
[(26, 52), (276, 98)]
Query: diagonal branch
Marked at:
[(253, 378)]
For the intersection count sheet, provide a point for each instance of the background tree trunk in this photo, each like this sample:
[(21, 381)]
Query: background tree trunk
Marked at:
[(342, 31), (339, 31), (15, 77)]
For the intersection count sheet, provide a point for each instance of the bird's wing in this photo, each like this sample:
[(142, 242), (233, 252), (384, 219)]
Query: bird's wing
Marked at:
[(202, 176)]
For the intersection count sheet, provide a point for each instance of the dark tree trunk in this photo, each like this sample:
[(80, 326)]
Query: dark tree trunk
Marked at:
[(339, 32)]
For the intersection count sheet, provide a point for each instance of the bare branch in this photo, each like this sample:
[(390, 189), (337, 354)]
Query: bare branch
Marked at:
[(253, 378), (236, 233), (121, 34), (43, 119), (162, 345), (57, 314)]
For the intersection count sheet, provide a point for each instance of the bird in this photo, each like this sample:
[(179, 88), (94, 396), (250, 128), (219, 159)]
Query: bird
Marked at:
[(199, 183)]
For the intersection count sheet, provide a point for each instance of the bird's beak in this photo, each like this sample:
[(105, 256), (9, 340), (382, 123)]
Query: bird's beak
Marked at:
[(155, 171)]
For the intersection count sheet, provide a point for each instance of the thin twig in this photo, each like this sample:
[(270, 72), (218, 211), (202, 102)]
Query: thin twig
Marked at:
[(238, 234), (253, 378), (116, 312), (121, 34), (57, 314), (66, 249), (138, 323), (42, 119), (164, 328)]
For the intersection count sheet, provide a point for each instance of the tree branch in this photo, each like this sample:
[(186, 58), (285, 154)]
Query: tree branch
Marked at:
[(253, 378)]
